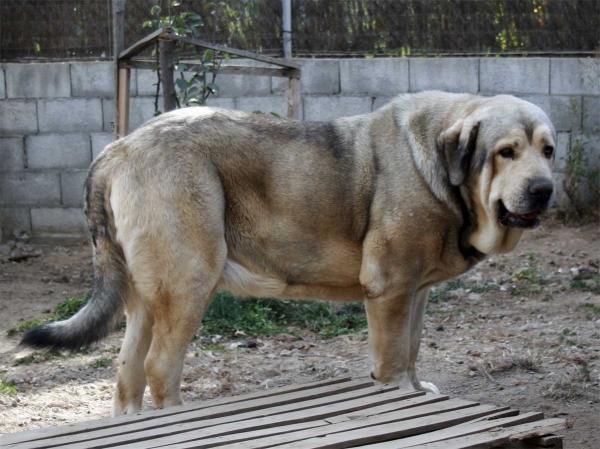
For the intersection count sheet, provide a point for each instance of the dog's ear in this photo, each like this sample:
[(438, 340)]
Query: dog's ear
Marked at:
[(457, 145)]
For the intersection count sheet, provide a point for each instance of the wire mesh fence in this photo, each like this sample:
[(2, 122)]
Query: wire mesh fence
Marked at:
[(76, 29)]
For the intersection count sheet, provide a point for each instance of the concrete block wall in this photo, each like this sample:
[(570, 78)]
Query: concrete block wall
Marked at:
[(55, 118)]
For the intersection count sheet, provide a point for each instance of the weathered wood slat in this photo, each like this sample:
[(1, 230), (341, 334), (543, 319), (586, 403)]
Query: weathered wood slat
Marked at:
[(212, 416), (496, 437), (192, 66), (379, 428), (343, 410), (160, 413), (234, 51), (469, 428), (144, 43)]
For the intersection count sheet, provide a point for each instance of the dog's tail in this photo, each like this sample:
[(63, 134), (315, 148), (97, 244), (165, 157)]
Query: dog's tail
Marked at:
[(105, 307)]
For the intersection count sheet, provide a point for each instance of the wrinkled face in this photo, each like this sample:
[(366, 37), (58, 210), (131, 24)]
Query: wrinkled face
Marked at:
[(510, 172)]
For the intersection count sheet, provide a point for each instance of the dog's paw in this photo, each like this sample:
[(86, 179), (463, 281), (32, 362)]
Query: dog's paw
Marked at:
[(429, 387)]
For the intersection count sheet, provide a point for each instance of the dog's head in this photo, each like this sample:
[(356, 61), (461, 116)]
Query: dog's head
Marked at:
[(501, 156)]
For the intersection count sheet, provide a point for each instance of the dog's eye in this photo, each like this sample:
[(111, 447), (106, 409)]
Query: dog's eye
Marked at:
[(507, 153), (548, 151)]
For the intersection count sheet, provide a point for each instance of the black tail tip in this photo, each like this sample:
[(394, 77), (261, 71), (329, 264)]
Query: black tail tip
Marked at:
[(39, 337)]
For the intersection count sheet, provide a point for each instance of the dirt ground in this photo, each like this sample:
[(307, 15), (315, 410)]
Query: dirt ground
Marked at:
[(516, 331)]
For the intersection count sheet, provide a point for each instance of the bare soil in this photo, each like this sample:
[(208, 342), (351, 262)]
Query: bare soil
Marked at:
[(516, 332)]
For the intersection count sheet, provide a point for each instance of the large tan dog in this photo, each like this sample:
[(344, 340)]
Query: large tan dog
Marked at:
[(377, 207)]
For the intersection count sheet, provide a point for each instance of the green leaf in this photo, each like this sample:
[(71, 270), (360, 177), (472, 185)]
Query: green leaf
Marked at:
[(155, 11), (195, 32), (213, 88), (255, 8), (181, 67), (208, 55), (147, 23), (181, 83), (175, 3), (275, 114)]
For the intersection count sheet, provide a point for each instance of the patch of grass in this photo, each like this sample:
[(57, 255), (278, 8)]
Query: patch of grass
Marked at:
[(101, 363), (213, 347), (7, 389), (62, 311), (568, 332), (591, 308), (591, 287), (258, 316), (442, 292), (38, 357), (530, 274)]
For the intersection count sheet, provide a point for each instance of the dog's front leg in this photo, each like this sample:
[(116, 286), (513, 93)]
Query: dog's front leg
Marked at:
[(388, 303)]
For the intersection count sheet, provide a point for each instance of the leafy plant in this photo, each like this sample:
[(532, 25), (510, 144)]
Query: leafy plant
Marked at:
[(206, 64), (7, 389), (101, 363)]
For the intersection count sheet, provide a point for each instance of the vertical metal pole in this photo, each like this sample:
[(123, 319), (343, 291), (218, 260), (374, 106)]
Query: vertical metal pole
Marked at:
[(287, 28)]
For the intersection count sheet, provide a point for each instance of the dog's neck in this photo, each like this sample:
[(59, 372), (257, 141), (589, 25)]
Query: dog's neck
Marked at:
[(468, 227)]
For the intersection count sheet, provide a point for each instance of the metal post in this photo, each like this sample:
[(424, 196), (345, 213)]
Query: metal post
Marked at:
[(287, 28)]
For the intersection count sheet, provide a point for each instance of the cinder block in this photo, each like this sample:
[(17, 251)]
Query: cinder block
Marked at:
[(93, 79), (58, 222), (381, 101), (265, 105), (561, 200), (43, 80), (564, 111), (575, 76), (18, 117), (12, 155), (99, 141), (12, 218), (514, 75), (58, 151), (447, 74), (73, 115), (591, 115), (380, 77), (37, 189), (71, 185), (563, 146), (220, 102), (243, 85), (329, 108), (146, 82), (141, 109), (319, 77), (108, 114), (2, 84)]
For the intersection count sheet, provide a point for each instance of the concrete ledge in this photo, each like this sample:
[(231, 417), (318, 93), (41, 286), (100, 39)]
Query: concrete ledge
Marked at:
[(329, 108), (377, 77), (58, 222), (71, 186), (319, 77), (36, 189), (70, 116), (514, 75), (58, 151), (575, 76), (12, 154), (39, 80), (18, 117), (447, 74)]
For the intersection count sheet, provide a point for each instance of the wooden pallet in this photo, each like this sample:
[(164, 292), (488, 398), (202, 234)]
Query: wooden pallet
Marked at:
[(335, 413)]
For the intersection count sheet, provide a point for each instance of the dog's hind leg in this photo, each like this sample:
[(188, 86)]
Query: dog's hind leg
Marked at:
[(131, 378), (416, 330)]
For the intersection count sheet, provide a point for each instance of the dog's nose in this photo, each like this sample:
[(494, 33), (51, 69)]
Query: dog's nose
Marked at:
[(541, 189)]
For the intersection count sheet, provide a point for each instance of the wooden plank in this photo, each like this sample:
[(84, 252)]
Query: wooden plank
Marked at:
[(468, 428), (124, 90), (159, 413), (343, 410), (193, 66), (294, 99), (234, 51), (222, 414), (379, 428), (144, 43), (496, 437), (118, 35)]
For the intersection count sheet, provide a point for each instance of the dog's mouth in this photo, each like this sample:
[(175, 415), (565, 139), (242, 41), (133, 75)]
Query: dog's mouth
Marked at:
[(526, 221)]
